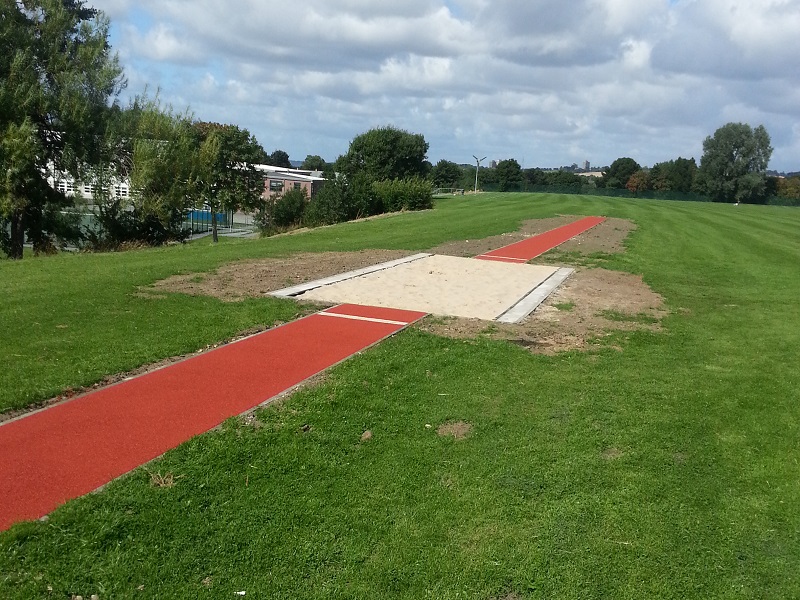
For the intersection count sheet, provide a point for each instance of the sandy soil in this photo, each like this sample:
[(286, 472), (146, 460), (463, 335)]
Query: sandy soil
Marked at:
[(440, 285), (254, 278), (590, 304)]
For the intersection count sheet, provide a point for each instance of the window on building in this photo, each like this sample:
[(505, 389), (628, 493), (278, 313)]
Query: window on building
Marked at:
[(275, 185), (297, 186)]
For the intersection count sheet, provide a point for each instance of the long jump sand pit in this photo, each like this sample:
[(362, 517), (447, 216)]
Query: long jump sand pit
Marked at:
[(440, 285)]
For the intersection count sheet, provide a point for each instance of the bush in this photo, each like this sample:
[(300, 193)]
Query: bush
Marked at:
[(404, 194), (116, 226), (289, 208), (282, 210), (329, 205), (783, 201)]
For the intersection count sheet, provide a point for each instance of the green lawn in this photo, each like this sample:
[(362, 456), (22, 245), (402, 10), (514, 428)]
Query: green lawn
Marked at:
[(670, 469)]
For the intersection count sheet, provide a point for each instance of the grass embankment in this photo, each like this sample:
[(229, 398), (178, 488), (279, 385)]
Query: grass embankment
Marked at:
[(667, 470)]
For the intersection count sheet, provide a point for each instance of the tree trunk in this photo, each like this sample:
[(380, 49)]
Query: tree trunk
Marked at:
[(17, 235), (214, 225)]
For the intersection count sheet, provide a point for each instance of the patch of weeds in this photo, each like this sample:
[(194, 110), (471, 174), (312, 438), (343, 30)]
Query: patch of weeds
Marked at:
[(489, 329), (565, 306), (591, 261), (611, 454), (437, 320), (458, 430), (167, 480), (613, 315)]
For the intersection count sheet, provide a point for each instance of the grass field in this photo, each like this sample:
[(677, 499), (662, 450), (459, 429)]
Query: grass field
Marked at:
[(670, 469)]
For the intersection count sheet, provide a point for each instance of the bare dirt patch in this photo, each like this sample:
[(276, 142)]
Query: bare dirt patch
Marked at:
[(611, 454), (459, 430), (254, 278), (591, 304), (609, 237)]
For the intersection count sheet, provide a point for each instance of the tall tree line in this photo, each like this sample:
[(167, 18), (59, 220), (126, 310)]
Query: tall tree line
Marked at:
[(60, 118)]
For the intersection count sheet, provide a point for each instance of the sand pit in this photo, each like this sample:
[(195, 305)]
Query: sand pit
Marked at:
[(440, 285), (579, 311)]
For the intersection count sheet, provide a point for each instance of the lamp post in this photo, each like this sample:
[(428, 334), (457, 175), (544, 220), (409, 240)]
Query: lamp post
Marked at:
[(477, 168)]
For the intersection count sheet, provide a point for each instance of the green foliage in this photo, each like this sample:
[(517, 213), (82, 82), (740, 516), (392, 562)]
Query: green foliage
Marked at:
[(560, 178), (57, 75), (787, 191), (509, 175), (330, 204), (385, 153), (734, 164), (403, 194), (383, 170), (639, 182), (224, 174), (314, 163), (446, 174), (154, 148), (278, 158), (289, 208), (675, 175), (618, 173), (174, 164)]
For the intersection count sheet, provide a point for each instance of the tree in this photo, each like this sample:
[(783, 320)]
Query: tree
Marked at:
[(618, 173), (734, 164), (156, 149), (279, 158), (288, 209), (57, 76), (638, 182), (225, 175), (385, 153), (789, 187), (330, 204), (446, 174), (675, 175), (314, 163), (562, 180), (509, 175)]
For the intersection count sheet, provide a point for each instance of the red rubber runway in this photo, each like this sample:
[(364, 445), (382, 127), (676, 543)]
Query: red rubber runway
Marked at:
[(70, 449), (522, 252)]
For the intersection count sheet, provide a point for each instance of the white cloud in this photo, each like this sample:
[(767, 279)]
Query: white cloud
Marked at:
[(550, 81), (162, 44)]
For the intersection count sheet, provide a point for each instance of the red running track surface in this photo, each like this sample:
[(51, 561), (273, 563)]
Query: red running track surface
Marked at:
[(70, 449), (522, 252)]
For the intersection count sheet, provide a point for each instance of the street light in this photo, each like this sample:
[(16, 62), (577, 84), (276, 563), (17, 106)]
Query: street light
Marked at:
[(477, 168)]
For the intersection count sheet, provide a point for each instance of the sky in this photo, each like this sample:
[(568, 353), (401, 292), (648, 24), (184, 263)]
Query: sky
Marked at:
[(546, 82)]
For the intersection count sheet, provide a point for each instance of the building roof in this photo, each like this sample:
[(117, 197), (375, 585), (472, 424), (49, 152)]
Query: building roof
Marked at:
[(286, 174)]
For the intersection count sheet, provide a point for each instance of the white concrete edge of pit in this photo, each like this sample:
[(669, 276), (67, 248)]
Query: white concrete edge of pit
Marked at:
[(535, 297), (297, 290)]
